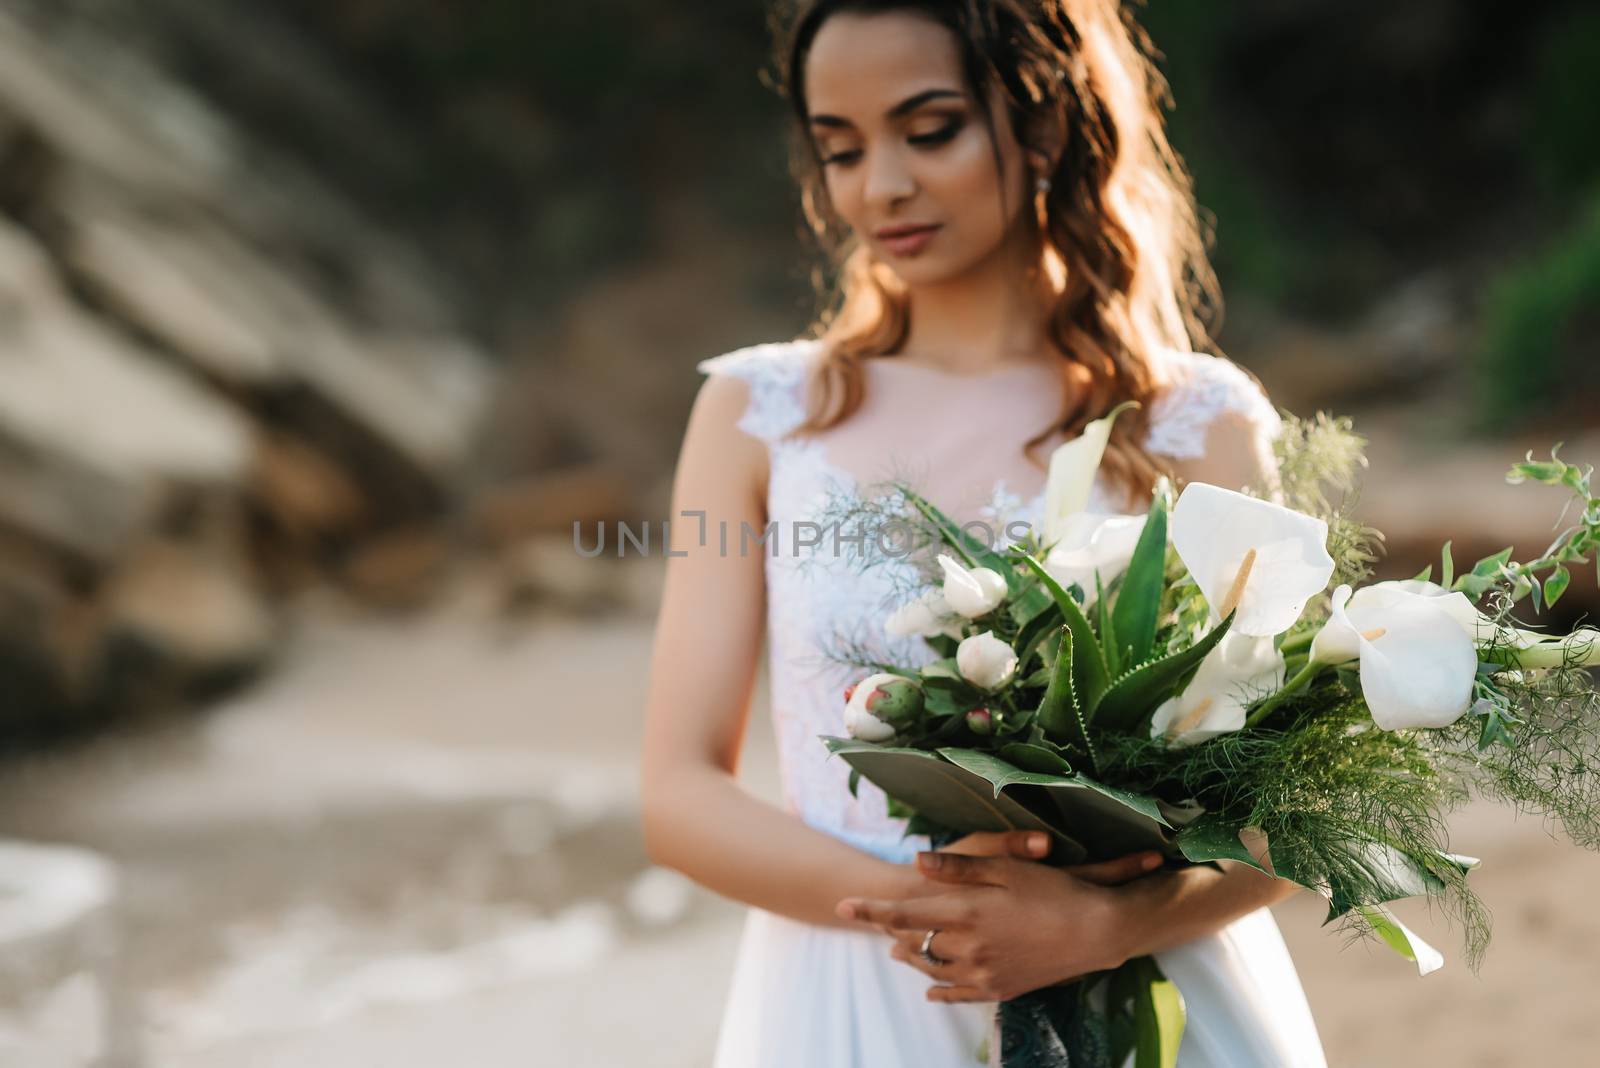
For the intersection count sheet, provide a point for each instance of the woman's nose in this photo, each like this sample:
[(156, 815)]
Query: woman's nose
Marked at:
[(888, 180)]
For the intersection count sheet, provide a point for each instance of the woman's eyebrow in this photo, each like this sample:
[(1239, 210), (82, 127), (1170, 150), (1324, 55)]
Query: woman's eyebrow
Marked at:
[(910, 103)]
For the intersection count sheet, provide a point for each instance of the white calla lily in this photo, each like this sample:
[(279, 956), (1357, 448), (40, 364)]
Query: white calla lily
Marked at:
[(1073, 466), (925, 617), (1260, 558), (859, 722), (1459, 607), (1093, 542), (986, 661), (1403, 939), (971, 591), (1240, 669), (1417, 663)]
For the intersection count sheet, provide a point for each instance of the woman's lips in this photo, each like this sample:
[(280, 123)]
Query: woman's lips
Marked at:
[(910, 242)]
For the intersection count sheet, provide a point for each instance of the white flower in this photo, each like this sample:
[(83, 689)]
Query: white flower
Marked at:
[(858, 721), (986, 661), (924, 617), (1070, 480), (1417, 661), (1240, 669), (971, 592), (1403, 939), (1091, 542), (1459, 607), (1253, 555)]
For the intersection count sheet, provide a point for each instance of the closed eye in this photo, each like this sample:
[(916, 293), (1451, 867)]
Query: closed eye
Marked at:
[(927, 140)]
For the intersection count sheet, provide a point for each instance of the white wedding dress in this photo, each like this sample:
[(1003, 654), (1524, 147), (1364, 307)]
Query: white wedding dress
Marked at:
[(808, 996)]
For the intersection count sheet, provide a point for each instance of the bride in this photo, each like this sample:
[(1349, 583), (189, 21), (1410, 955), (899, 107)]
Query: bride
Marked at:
[(1017, 253)]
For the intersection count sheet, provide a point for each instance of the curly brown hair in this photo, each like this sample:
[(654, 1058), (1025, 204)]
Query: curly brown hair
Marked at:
[(1118, 226)]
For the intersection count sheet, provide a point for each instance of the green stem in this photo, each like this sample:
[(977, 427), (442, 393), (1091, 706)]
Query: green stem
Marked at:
[(1298, 682), (944, 535), (1297, 643), (1576, 650)]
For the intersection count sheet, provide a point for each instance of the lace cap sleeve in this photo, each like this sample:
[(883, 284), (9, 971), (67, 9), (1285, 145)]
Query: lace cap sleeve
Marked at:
[(1205, 387), (777, 376)]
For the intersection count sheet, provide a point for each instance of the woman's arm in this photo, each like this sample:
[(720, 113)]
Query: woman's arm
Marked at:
[(697, 819)]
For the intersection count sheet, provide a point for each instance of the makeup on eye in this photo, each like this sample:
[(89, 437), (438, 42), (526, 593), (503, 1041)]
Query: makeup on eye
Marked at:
[(935, 137)]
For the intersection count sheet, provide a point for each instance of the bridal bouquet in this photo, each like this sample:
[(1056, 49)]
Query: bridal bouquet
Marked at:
[(1184, 678)]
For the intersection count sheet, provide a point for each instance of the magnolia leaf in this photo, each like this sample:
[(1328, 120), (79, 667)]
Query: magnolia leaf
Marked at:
[(1089, 675), (1030, 757), (1139, 601), (1108, 821), (855, 780), (946, 794), (1135, 695), (1214, 837), (999, 773)]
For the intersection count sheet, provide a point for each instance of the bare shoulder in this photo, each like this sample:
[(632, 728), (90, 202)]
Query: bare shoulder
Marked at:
[(718, 454)]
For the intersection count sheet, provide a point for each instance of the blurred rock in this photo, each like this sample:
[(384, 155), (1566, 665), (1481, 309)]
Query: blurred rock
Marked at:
[(551, 502), (219, 383)]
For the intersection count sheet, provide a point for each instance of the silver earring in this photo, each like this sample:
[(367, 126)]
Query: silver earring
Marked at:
[(1042, 184)]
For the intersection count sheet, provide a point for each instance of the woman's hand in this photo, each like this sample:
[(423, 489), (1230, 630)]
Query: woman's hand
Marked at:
[(1005, 926)]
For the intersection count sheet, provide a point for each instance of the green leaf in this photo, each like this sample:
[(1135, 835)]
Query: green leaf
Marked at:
[(952, 534), (937, 701), (943, 668), (1111, 642), (1028, 606), (1447, 567), (945, 793), (1214, 837), (1036, 629), (1089, 675), (1059, 713), (1538, 470), (855, 780), (1139, 600), (1556, 584), (1490, 566), (1038, 678), (1136, 694), (1370, 873), (1159, 1016), (1108, 821), (1424, 575), (1037, 758)]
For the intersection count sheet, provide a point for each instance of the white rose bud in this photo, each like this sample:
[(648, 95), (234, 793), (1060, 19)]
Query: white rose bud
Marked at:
[(972, 592), (986, 661), (859, 722)]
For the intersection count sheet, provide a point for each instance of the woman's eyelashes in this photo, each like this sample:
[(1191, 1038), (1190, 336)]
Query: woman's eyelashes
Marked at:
[(931, 139)]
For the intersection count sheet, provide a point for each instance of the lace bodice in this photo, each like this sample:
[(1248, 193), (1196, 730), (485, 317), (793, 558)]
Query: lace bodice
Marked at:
[(958, 439)]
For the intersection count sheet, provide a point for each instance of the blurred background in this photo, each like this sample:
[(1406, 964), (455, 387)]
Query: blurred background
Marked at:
[(321, 322)]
